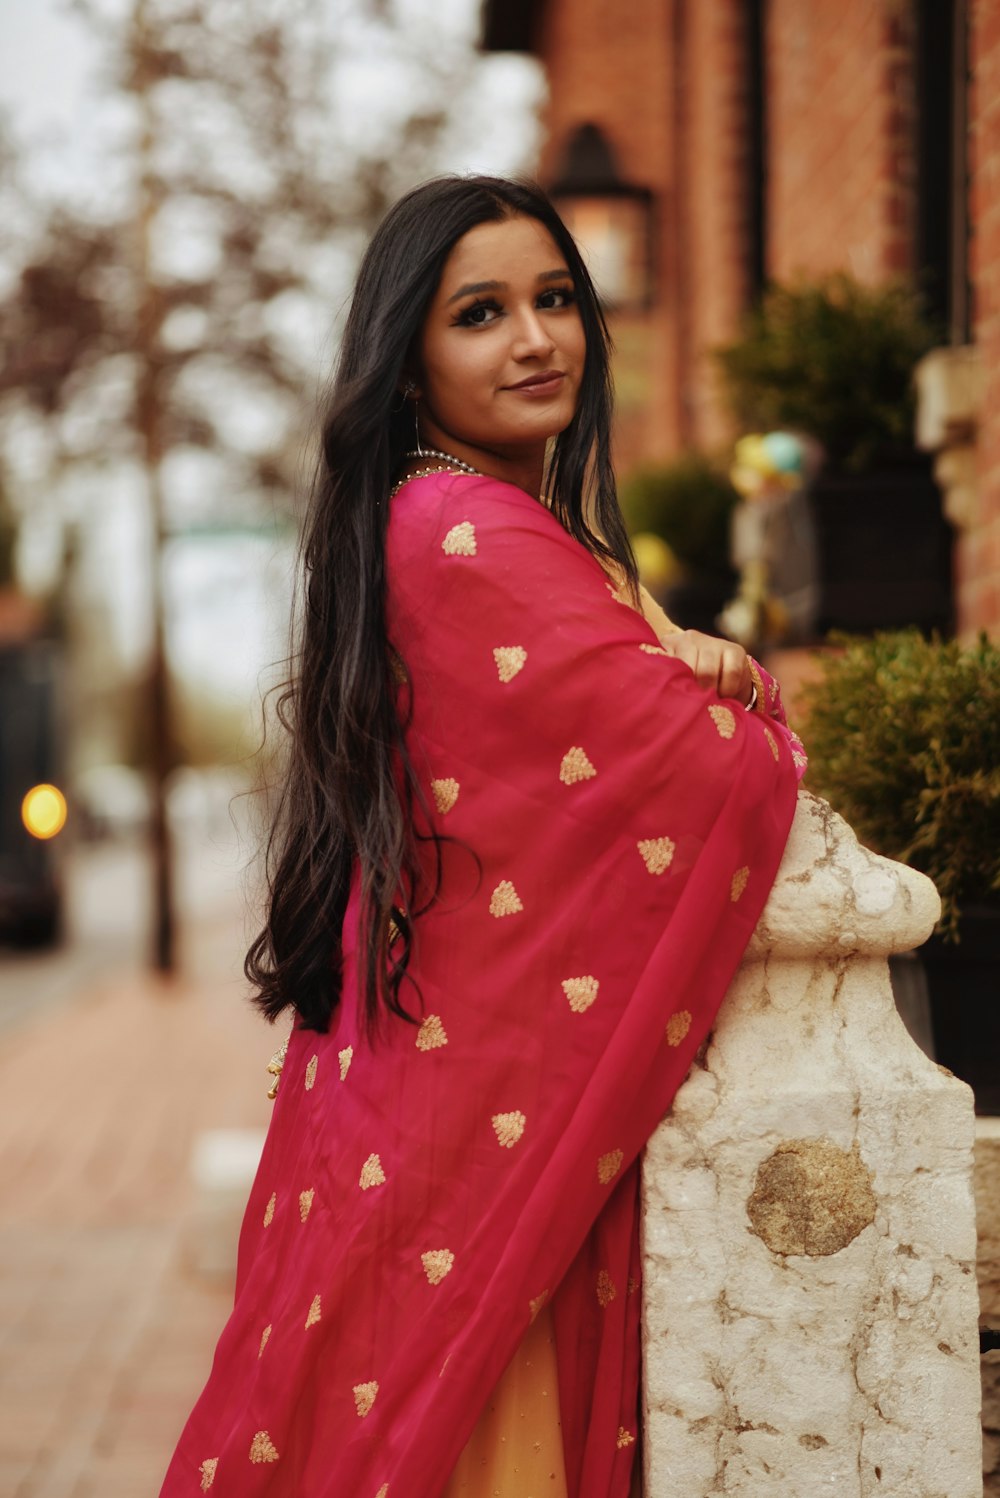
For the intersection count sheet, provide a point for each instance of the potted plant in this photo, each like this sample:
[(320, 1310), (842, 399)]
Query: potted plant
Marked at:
[(834, 359), (687, 504), (904, 740)]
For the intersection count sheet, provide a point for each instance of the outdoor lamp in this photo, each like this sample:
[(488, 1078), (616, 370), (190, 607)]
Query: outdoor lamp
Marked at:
[(610, 219)]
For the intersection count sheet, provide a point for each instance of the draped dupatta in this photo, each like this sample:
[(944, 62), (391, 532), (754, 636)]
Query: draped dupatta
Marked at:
[(611, 834)]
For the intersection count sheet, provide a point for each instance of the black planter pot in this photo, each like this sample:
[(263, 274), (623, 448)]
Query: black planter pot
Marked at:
[(963, 982), (862, 552)]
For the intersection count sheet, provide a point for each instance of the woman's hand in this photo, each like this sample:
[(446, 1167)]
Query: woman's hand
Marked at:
[(717, 664)]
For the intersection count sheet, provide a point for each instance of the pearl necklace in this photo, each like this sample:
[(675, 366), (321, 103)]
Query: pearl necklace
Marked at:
[(449, 465)]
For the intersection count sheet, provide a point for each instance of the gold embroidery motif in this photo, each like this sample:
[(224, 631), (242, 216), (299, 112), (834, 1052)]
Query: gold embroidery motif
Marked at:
[(633, 1284), (263, 1339), (510, 659), (625, 1437), (372, 1173), (345, 1057), (760, 706), (505, 900), (739, 883), (575, 766), (305, 1202), (460, 540), (799, 760), (677, 1026), (534, 1306), (581, 992), (364, 1397), (315, 1313), (397, 669), (772, 743), (269, 1209), (609, 1165), (383, 1491), (724, 719), (437, 1264), (207, 1470), (445, 794), (262, 1448), (606, 1291), (774, 691), (653, 649), (509, 1127), (275, 1067), (431, 1034), (311, 1070), (657, 853)]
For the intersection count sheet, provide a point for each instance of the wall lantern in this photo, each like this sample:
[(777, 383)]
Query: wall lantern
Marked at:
[(610, 219)]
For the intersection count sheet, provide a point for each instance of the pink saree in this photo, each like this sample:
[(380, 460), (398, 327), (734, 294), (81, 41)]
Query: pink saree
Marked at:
[(418, 1202)]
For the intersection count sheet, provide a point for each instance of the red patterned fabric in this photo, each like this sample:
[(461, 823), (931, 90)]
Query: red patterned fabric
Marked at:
[(613, 831)]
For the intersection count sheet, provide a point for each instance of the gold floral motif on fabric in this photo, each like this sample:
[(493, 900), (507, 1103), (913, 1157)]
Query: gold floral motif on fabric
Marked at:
[(207, 1470), (315, 1313), (653, 649), (760, 706), (265, 1334), (305, 1202), (677, 1026), (345, 1058), (372, 1173), (625, 1437), (657, 853), (431, 1034), (510, 660), (772, 743), (534, 1306), (609, 1165), (445, 794), (575, 766), (724, 719), (460, 540), (739, 883), (505, 900), (269, 1209), (364, 1397), (581, 992), (262, 1448), (437, 1264), (383, 1491), (509, 1127), (606, 1291), (311, 1071)]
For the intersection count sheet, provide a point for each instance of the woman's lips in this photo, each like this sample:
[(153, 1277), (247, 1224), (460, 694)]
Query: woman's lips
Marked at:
[(549, 382)]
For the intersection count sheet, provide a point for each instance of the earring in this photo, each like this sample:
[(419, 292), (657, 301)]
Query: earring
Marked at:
[(416, 423)]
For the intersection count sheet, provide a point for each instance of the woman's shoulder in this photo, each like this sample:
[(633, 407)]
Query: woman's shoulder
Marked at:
[(455, 512)]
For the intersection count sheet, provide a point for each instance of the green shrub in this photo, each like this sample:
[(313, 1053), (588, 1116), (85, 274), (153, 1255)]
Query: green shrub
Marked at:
[(903, 736), (832, 358), (688, 503)]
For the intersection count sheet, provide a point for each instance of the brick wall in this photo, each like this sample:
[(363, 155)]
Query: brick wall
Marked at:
[(840, 104), (978, 552)]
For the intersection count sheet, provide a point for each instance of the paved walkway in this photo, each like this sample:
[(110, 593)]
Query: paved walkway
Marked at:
[(105, 1335)]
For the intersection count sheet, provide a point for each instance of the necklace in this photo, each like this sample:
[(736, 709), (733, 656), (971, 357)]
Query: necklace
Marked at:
[(448, 465), (435, 452)]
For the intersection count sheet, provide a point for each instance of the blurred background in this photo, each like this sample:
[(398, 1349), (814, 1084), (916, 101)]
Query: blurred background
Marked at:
[(791, 210)]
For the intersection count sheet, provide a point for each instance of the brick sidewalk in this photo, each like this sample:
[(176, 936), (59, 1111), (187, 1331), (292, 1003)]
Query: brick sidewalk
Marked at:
[(105, 1338)]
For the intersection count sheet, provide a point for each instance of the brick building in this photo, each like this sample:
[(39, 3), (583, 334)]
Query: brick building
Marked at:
[(769, 137)]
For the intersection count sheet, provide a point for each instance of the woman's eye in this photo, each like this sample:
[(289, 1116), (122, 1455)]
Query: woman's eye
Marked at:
[(479, 314), (559, 296)]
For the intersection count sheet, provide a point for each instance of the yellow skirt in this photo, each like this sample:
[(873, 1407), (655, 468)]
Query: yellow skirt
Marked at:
[(516, 1448)]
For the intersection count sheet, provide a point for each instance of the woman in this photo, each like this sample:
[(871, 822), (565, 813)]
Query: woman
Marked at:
[(527, 830)]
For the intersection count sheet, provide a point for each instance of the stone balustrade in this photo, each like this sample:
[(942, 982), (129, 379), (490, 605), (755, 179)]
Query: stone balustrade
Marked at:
[(809, 1296)]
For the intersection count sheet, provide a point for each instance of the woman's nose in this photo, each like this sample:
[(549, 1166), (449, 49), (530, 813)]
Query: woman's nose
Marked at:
[(532, 338)]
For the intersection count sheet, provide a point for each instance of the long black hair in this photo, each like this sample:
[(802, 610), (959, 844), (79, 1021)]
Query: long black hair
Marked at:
[(340, 801)]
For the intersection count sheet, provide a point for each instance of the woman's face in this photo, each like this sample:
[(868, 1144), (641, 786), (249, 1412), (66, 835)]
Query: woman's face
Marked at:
[(502, 349)]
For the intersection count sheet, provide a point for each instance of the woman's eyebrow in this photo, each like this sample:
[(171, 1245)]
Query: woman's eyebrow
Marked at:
[(475, 286)]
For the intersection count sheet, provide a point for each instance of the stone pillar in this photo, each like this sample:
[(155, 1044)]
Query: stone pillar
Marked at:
[(809, 1298)]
